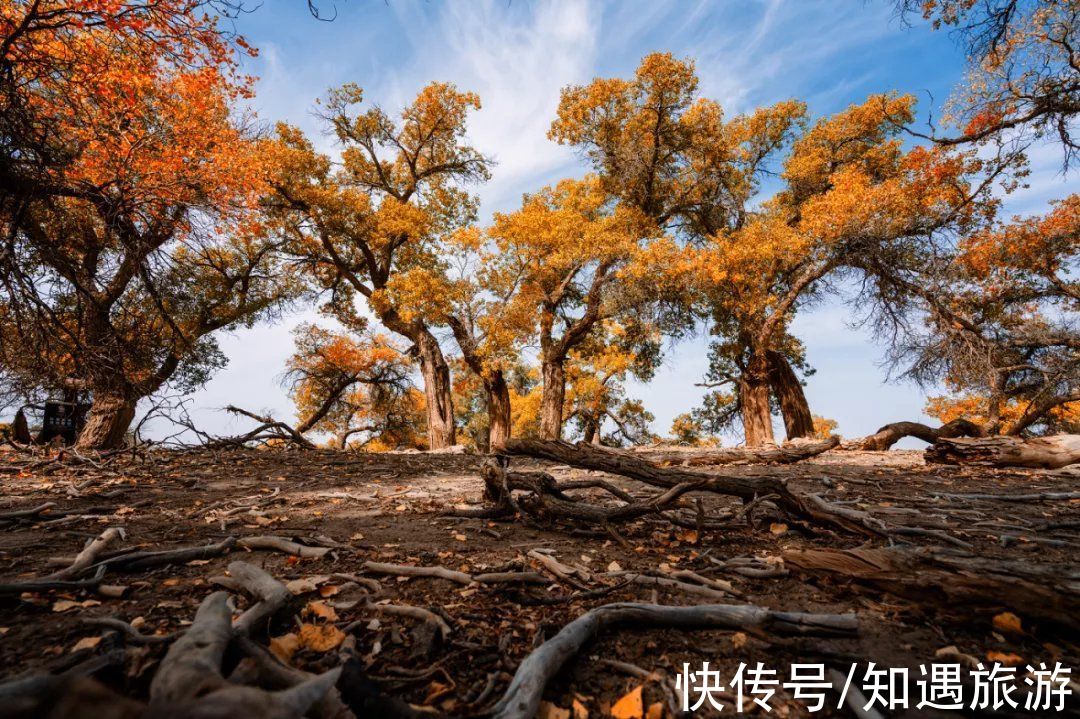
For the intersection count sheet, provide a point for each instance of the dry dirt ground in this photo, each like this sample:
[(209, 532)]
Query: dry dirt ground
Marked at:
[(389, 508)]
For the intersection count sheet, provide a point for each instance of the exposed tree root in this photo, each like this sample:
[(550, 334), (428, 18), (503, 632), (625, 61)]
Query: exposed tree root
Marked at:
[(747, 488), (522, 698), (89, 554)]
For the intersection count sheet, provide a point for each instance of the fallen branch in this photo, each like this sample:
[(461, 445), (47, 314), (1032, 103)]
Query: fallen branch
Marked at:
[(783, 454), (281, 544), (890, 434), (522, 698), (1038, 452), (89, 554)]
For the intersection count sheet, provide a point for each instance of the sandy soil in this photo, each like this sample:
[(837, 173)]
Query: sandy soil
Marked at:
[(388, 508)]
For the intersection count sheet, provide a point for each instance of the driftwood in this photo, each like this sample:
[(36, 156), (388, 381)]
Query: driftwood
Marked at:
[(1053, 452), (950, 580), (890, 434), (782, 454), (522, 698)]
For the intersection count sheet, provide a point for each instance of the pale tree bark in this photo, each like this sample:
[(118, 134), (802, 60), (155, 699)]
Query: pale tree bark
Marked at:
[(798, 421), (107, 423)]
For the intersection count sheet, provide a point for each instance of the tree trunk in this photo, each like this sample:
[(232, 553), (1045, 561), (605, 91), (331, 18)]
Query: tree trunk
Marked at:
[(798, 422), (754, 401), (437, 391), (1039, 452), (551, 401), (498, 410), (108, 421)]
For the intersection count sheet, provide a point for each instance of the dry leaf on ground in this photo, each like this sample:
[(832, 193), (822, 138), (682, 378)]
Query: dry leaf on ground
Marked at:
[(630, 706)]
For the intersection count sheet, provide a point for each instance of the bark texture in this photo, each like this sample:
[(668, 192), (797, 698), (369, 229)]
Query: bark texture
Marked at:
[(551, 401), (788, 390), (108, 421), (890, 434), (754, 403), (437, 391), (1038, 452), (784, 454)]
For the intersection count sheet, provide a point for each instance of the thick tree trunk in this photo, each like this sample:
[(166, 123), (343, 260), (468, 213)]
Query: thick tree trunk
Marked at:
[(754, 401), (798, 422), (890, 434), (551, 401), (1039, 452), (108, 421), (498, 410), (437, 391)]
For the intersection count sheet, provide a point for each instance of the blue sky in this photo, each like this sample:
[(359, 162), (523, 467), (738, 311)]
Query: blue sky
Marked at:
[(517, 54)]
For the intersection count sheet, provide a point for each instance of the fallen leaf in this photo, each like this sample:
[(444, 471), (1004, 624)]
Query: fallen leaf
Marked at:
[(550, 711), (62, 605), (329, 590), (301, 586), (285, 646), (460, 537), (86, 643), (738, 640), (320, 637), (778, 528), (321, 610), (687, 535), (614, 567), (1009, 660), (1008, 622), (580, 712), (656, 711), (630, 706)]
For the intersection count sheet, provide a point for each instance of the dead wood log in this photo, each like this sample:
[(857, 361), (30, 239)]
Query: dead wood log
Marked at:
[(946, 579), (783, 454), (522, 697), (746, 488), (890, 434), (1053, 452)]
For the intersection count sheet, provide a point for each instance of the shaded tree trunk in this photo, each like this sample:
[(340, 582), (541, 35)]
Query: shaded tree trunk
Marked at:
[(437, 391), (552, 398), (498, 402), (798, 422), (754, 402), (107, 423)]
